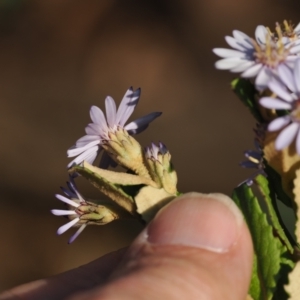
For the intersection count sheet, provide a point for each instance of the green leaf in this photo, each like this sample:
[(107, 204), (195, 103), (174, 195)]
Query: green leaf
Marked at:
[(268, 249), (273, 213), (247, 93)]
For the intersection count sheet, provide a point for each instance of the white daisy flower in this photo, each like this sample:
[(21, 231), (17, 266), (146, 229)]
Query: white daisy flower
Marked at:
[(73, 199), (258, 58), (88, 147), (287, 90)]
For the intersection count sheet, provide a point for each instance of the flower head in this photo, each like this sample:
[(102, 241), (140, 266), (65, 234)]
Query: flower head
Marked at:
[(81, 212), (287, 89), (260, 58), (88, 147), (254, 161)]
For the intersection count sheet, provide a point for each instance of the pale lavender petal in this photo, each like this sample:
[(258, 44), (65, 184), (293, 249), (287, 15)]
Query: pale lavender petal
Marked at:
[(298, 142), (274, 103), (76, 234), (80, 158), (279, 123), (98, 117), (91, 157), (280, 90), (252, 71), (243, 67), (127, 106), (232, 42), (73, 151), (263, 78), (95, 129), (61, 212), (228, 63), (286, 136), (67, 226), (86, 140), (297, 76), (253, 153), (243, 38), (66, 200), (286, 76), (295, 49), (261, 33), (227, 53), (111, 111), (142, 121)]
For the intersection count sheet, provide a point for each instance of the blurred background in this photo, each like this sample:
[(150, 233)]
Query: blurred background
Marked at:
[(59, 57)]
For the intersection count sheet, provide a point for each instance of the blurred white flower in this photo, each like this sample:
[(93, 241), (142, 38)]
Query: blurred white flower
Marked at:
[(287, 89), (88, 147), (260, 58)]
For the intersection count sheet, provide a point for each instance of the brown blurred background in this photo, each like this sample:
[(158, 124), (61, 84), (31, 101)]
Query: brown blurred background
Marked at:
[(57, 58)]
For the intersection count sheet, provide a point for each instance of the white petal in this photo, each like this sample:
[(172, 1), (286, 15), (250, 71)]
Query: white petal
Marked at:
[(95, 129), (242, 67), (279, 123), (127, 106), (80, 158), (142, 121), (97, 116), (297, 76), (66, 200), (76, 234), (86, 139), (280, 90), (263, 78), (226, 53), (286, 76), (77, 150), (274, 103), (243, 39), (295, 49), (111, 111), (252, 71), (65, 227), (232, 42), (261, 33), (61, 212), (91, 157), (228, 63), (286, 136), (298, 142)]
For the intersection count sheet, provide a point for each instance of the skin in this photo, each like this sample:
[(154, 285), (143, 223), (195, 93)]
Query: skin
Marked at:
[(198, 247)]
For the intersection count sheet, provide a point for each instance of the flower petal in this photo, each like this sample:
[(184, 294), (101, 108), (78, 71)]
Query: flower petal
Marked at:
[(86, 139), (127, 106), (286, 136), (76, 234), (297, 76), (65, 227), (80, 158), (232, 42), (280, 90), (226, 53), (274, 103), (66, 200), (111, 111), (243, 38), (97, 116), (228, 63), (243, 67), (73, 151), (141, 122), (279, 123), (61, 212), (286, 76), (261, 33), (252, 71), (263, 78), (94, 129)]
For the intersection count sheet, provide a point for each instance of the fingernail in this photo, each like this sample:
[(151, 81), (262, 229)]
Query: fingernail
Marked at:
[(207, 221)]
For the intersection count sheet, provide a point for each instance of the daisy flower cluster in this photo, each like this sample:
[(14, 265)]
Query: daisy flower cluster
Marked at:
[(111, 136), (271, 62)]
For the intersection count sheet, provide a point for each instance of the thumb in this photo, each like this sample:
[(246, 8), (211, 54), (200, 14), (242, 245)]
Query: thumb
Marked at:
[(198, 247)]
